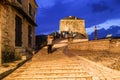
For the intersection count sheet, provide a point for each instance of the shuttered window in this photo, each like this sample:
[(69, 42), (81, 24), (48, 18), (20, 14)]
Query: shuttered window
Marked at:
[(30, 10), (18, 31), (19, 1), (29, 36)]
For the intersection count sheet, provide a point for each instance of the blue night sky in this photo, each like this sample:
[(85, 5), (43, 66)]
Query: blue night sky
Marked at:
[(105, 14)]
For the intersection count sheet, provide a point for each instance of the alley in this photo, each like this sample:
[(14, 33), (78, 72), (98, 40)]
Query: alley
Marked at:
[(61, 66)]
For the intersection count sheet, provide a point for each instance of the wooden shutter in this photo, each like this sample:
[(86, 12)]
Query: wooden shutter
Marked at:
[(29, 36), (18, 31)]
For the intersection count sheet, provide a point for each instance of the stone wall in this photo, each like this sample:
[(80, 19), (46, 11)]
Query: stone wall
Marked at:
[(4, 23), (8, 14), (80, 40), (73, 25), (97, 45), (115, 46), (0, 38), (7, 25)]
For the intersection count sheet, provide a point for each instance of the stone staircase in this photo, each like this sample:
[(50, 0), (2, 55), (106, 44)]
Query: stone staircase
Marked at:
[(59, 66), (50, 70)]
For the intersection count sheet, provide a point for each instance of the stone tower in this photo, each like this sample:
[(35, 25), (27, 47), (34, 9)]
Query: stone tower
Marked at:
[(95, 33), (74, 25)]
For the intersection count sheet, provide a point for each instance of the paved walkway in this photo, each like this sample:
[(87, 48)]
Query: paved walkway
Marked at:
[(60, 66)]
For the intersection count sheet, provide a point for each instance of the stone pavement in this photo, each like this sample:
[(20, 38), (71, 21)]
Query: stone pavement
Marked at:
[(60, 66)]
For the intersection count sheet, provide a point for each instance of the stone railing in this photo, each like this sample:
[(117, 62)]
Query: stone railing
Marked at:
[(114, 46), (97, 45)]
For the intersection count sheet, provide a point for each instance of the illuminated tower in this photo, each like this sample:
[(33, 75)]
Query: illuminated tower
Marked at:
[(72, 24)]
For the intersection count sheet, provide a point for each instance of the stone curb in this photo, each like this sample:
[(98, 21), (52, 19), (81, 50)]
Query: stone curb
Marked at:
[(6, 73)]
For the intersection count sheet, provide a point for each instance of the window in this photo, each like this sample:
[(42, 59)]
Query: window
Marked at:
[(18, 31), (29, 36), (30, 10), (19, 1)]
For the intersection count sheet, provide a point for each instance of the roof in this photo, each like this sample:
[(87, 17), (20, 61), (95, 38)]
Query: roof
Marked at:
[(72, 18), (80, 36)]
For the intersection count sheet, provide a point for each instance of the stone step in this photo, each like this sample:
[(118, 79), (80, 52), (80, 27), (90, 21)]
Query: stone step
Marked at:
[(39, 75), (42, 65), (49, 71), (52, 66), (25, 74), (51, 78), (55, 78), (117, 78), (55, 64), (34, 68), (54, 70), (53, 73)]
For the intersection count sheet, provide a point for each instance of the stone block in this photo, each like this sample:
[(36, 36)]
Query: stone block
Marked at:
[(24, 57)]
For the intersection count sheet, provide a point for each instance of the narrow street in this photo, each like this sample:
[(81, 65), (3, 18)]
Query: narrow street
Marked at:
[(61, 66)]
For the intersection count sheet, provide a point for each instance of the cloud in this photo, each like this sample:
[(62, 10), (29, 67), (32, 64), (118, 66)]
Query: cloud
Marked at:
[(100, 7), (67, 1), (106, 25), (46, 3), (102, 13), (117, 1), (51, 3)]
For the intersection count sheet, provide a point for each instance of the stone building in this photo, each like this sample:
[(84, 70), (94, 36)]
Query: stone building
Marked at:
[(17, 25), (73, 25)]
